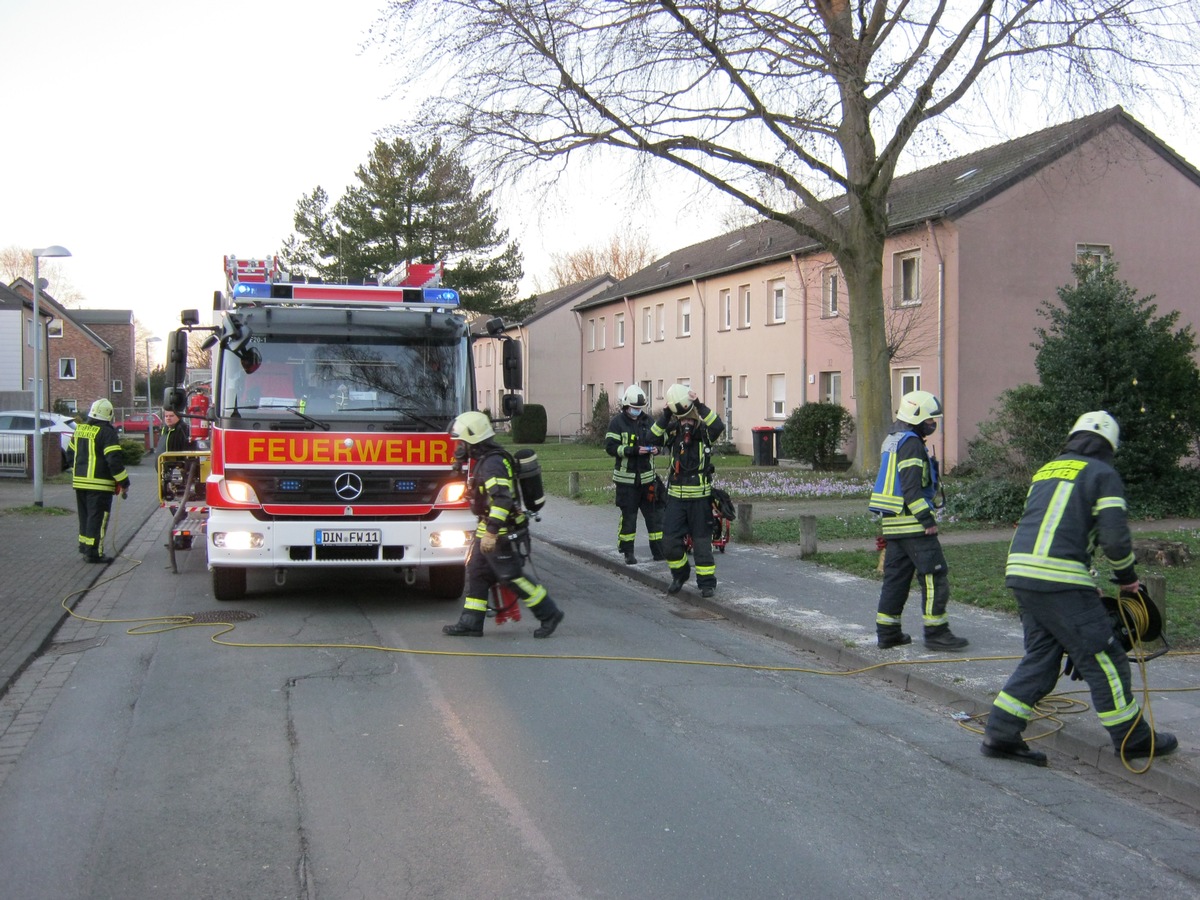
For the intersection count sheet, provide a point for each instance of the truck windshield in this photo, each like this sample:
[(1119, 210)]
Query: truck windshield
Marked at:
[(382, 381)]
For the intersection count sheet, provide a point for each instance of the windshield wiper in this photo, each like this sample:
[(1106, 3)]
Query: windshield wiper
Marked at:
[(324, 426), (413, 416)]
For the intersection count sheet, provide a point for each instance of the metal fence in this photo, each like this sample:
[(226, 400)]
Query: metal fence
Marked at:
[(14, 452)]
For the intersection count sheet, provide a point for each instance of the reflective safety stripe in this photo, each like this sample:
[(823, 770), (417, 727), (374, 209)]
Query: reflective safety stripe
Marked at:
[(1124, 708), (1013, 706), (884, 619), (927, 616), (1044, 568), (706, 570), (475, 604), (533, 593)]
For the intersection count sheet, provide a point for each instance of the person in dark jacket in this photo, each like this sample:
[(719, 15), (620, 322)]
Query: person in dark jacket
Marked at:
[(97, 473), (633, 448), (688, 429), (495, 555), (904, 495), (175, 436), (1075, 506)]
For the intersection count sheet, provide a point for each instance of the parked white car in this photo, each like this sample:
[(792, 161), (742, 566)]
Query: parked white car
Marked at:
[(16, 421)]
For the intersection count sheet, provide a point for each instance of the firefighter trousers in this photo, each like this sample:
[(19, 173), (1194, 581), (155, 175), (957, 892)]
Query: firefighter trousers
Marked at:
[(94, 508), (905, 557), (632, 499), (1073, 622), (692, 517)]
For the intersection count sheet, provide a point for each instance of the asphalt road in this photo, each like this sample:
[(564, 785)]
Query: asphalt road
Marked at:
[(379, 761)]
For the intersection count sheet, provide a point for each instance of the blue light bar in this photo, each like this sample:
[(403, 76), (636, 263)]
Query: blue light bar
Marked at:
[(442, 296), (290, 484), (406, 486), (252, 290)]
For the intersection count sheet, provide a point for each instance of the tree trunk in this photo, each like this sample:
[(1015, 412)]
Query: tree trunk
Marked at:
[(872, 374)]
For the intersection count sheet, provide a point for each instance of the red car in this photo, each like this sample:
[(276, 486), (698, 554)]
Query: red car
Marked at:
[(135, 423)]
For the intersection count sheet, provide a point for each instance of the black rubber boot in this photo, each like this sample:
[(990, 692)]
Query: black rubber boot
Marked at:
[(469, 624), (630, 559), (1162, 743), (549, 615), (894, 638), (945, 640), (1017, 751)]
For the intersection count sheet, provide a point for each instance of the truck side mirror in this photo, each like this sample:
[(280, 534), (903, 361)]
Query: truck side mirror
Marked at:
[(511, 361), (511, 405), (177, 357)]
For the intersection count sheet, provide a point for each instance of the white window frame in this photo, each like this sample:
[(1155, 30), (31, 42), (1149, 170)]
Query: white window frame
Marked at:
[(743, 385), (118, 386), (1093, 254), (660, 321), (54, 328), (905, 380), (74, 363), (777, 396), (726, 307), (591, 335), (647, 324), (685, 317), (906, 278), (778, 302), (619, 330), (601, 334), (831, 287), (830, 386), (744, 306)]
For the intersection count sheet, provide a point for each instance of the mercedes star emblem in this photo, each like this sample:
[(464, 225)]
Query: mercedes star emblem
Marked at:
[(348, 486)]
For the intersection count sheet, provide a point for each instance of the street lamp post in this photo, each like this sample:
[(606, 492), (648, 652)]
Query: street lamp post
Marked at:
[(149, 398), (53, 250)]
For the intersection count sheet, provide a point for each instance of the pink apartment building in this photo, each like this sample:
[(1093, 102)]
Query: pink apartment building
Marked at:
[(756, 320)]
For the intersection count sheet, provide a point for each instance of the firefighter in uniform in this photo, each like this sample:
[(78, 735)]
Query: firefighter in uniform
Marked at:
[(495, 554), (904, 495), (97, 473), (1075, 506), (629, 440), (688, 429)]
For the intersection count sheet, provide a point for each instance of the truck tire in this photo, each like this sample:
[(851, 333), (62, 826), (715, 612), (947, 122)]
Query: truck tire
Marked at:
[(447, 582), (228, 582)]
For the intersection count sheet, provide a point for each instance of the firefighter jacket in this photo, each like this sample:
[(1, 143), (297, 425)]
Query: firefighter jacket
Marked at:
[(906, 485), (1075, 506), (625, 435), (94, 452), (492, 490), (689, 441)]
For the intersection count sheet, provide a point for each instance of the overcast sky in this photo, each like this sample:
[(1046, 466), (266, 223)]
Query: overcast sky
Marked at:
[(151, 138)]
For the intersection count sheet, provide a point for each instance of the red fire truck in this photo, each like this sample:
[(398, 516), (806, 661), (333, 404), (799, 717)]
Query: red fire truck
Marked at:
[(329, 418)]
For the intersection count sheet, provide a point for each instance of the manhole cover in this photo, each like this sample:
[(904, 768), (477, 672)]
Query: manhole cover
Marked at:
[(76, 646), (694, 612), (221, 615)]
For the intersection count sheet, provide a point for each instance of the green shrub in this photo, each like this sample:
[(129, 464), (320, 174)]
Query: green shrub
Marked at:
[(132, 450), (596, 428), (530, 426), (988, 500), (814, 433)]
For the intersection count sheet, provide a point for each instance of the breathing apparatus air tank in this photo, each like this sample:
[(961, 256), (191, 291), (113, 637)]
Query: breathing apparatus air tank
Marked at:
[(529, 477)]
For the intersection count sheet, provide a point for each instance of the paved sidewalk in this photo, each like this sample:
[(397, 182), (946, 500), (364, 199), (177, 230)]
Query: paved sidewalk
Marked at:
[(41, 564)]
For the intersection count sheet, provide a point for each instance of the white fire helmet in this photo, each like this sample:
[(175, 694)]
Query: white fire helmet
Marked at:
[(1101, 423), (917, 406), (634, 396), (678, 400), (472, 427)]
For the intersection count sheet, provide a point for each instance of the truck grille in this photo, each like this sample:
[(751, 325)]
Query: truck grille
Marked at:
[(321, 486)]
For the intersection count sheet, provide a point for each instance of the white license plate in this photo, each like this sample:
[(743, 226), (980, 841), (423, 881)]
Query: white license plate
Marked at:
[(349, 538)]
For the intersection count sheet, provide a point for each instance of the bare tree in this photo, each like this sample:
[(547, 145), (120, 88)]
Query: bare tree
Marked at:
[(782, 105), (17, 262), (623, 255)]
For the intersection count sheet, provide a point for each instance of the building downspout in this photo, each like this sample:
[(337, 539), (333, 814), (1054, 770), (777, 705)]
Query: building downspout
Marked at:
[(579, 328), (941, 326), (803, 331), (703, 339)]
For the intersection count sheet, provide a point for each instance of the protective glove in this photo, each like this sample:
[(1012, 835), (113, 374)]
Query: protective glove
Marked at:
[(487, 542)]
